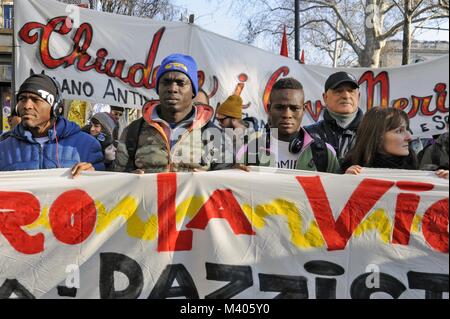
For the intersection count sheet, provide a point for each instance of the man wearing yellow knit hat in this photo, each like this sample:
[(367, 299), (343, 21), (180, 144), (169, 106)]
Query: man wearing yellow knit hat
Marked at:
[(229, 114)]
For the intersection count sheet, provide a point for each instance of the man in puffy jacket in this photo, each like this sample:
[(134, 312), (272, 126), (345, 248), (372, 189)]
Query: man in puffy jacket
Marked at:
[(44, 139), (174, 135)]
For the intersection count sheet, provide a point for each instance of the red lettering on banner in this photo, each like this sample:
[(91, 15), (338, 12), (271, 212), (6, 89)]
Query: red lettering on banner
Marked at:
[(413, 111), (414, 186), (169, 238), (383, 80), (21, 209), (337, 233), (284, 70), (81, 43), (76, 205), (222, 204), (441, 90), (423, 103), (401, 103), (72, 215), (435, 225), (315, 114), (405, 210)]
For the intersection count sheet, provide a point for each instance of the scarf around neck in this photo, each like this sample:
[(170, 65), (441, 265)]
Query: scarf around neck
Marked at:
[(397, 162), (343, 120)]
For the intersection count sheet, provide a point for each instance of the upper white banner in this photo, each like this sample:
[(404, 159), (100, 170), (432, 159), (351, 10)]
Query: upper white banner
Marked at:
[(113, 59)]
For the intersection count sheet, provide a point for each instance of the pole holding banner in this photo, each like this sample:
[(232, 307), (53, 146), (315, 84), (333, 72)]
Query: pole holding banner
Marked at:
[(13, 78), (297, 29)]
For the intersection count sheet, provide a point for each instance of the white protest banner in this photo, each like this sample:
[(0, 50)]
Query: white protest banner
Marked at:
[(113, 59), (224, 234)]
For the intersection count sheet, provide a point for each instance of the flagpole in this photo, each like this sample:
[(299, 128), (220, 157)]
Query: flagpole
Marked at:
[(284, 44), (297, 29)]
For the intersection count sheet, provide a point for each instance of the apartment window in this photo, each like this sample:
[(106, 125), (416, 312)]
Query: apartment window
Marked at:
[(7, 16)]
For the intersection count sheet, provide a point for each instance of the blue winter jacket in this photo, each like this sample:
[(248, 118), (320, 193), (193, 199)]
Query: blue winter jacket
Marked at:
[(21, 152)]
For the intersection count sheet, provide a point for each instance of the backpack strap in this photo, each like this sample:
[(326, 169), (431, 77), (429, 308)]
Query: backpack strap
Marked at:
[(320, 155), (436, 157), (131, 143), (421, 153), (115, 136)]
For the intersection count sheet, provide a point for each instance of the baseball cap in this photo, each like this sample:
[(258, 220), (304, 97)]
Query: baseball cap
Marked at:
[(335, 79)]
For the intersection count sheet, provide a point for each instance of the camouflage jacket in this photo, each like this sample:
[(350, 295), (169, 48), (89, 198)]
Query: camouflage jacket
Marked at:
[(193, 150)]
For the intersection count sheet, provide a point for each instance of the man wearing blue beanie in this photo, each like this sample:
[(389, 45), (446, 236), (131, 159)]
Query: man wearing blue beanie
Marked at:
[(174, 135), (179, 63)]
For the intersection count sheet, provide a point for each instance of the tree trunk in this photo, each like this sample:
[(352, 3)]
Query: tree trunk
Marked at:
[(407, 33), (370, 56)]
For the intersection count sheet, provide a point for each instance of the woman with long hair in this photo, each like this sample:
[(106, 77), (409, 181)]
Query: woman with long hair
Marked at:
[(383, 141)]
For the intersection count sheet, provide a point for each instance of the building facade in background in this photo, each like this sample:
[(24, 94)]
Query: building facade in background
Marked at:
[(421, 51), (6, 68)]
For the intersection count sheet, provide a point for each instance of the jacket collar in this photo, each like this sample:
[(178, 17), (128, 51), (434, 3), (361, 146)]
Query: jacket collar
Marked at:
[(353, 125), (203, 114), (20, 132)]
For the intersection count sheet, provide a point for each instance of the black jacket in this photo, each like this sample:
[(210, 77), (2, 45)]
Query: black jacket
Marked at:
[(328, 131)]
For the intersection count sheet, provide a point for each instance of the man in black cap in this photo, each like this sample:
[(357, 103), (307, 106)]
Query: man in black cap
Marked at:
[(342, 116), (44, 139)]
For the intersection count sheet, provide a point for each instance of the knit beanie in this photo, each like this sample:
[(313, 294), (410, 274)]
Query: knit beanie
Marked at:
[(105, 121), (116, 108), (231, 107), (180, 63), (41, 85)]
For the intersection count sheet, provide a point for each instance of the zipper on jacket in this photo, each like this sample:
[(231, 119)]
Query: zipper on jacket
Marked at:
[(168, 148), (41, 156)]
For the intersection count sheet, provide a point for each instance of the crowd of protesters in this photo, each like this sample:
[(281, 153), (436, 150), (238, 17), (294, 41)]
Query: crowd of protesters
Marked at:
[(184, 133)]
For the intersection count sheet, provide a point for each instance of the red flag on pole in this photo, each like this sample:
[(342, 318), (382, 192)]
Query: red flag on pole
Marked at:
[(284, 45), (302, 57)]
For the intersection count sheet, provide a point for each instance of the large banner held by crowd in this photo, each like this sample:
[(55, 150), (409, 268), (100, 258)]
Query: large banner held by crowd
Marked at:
[(113, 59), (224, 234)]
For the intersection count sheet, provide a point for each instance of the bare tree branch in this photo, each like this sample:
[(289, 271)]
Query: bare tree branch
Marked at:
[(363, 26)]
